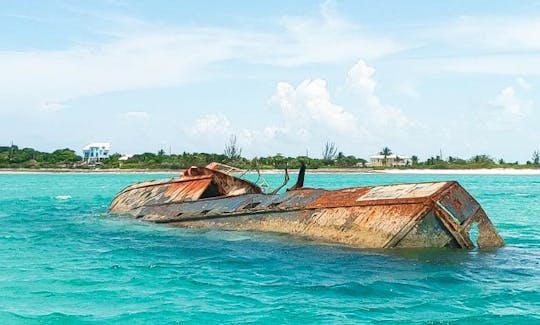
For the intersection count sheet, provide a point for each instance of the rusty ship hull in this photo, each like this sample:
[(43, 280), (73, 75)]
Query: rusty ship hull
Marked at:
[(437, 214)]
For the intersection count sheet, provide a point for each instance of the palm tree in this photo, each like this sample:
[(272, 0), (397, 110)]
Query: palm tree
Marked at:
[(414, 160), (398, 160), (385, 152)]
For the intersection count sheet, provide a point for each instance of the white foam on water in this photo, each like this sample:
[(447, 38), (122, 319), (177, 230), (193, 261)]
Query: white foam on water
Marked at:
[(63, 197), (228, 235)]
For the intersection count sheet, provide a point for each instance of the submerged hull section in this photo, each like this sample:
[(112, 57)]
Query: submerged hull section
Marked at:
[(439, 214)]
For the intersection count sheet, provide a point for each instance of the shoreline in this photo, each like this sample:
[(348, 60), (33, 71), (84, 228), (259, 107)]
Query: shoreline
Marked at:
[(479, 171), (86, 171)]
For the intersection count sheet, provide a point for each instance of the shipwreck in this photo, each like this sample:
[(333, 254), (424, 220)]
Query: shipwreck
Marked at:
[(435, 214)]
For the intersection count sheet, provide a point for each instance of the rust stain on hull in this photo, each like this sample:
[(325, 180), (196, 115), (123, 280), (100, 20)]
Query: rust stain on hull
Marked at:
[(437, 214)]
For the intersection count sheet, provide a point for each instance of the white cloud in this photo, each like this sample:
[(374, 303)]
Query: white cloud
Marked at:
[(500, 45), (309, 106), (509, 111), (52, 106), (211, 125), (332, 39), (500, 64), (408, 89), (264, 135), (493, 32), (360, 79), (511, 104), (137, 115), (310, 116), (139, 62), (523, 83)]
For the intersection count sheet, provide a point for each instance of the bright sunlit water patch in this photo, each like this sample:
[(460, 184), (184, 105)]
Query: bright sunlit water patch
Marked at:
[(65, 260)]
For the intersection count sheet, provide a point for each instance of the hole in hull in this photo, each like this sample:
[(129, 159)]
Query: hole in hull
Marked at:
[(473, 233)]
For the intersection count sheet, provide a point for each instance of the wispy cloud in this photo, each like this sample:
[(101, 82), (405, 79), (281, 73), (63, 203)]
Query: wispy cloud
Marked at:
[(307, 40), (137, 115), (496, 45), (523, 83), (499, 33), (161, 56), (505, 64), (52, 106)]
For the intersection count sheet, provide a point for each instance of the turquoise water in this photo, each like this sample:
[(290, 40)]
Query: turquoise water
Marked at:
[(65, 260)]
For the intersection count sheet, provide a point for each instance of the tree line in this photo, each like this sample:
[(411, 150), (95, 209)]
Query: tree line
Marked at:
[(14, 157), (331, 157)]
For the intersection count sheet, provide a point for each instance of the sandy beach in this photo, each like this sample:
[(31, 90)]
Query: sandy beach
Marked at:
[(484, 171), (87, 171)]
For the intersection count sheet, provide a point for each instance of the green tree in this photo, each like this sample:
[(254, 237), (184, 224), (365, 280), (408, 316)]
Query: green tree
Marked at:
[(362, 161), (64, 156), (414, 160), (346, 161), (536, 157), (385, 152), (483, 160), (112, 161)]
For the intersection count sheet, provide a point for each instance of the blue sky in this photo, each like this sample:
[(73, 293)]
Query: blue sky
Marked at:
[(421, 77)]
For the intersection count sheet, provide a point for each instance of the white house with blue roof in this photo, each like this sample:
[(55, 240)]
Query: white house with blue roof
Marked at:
[(96, 151)]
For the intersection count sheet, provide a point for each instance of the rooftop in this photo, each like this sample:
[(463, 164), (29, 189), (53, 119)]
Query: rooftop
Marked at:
[(393, 156), (104, 145)]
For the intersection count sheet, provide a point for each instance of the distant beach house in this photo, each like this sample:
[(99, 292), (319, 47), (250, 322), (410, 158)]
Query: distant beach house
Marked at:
[(96, 151), (391, 161)]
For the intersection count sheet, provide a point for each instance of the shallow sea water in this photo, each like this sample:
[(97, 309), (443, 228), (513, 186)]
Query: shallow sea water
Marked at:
[(64, 260)]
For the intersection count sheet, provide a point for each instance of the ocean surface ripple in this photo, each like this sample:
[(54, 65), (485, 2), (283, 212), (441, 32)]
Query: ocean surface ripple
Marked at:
[(65, 260)]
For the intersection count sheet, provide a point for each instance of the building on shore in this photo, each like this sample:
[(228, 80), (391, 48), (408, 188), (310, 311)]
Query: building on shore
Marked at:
[(94, 152), (389, 161)]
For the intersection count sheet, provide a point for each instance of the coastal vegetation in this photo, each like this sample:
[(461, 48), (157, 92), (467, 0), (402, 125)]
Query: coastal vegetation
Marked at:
[(29, 158), (14, 157)]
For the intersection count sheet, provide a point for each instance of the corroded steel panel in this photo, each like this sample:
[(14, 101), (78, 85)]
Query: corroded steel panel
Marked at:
[(300, 198), (184, 191), (402, 191), (159, 193), (375, 226), (339, 198), (429, 232), (460, 204)]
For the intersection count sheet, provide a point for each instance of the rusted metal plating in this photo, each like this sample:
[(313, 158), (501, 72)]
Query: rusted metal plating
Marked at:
[(439, 214)]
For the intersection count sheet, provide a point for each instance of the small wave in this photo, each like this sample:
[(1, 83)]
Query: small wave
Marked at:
[(62, 197), (55, 317)]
